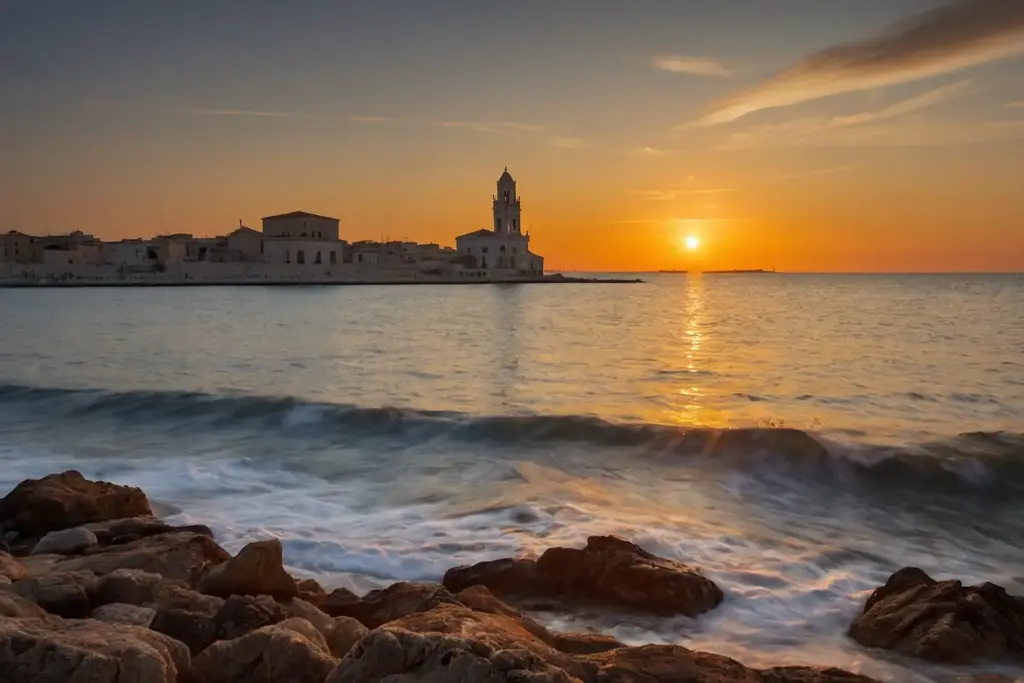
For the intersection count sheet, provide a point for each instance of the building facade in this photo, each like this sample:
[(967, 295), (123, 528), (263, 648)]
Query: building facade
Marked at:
[(504, 250)]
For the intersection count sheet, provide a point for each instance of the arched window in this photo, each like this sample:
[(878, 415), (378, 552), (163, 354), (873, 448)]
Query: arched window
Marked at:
[(334, 257), (317, 259), (287, 256), (300, 256)]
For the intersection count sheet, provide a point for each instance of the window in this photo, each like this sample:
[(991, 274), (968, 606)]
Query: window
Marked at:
[(502, 249), (334, 257), (317, 259), (485, 250), (300, 256), (513, 225), (359, 258), (497, 225), (515, 250)]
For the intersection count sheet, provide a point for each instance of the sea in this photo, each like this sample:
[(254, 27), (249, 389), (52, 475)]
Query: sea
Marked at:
[(797, 437)]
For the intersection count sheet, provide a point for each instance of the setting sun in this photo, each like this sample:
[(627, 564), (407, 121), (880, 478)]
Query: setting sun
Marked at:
[(691, 242)]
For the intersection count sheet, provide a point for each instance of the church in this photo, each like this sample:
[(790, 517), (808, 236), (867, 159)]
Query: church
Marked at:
[(504, 249)]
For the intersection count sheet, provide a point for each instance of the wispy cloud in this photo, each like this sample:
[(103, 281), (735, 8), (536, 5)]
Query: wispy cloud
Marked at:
[(669, 195), (267, 114), (957, 35), (648, 151), (694, 66), (831, 170), (568, 143), (1016, 105), (820, 131), (492, 127)]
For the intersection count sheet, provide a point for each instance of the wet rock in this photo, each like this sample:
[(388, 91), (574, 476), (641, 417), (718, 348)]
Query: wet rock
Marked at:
[(67, 594), (60, 501), (197, 631), (175, 556), (258, 569), (271, 654), (66, 542), (13, 606), (11, 568), (608, 571), (397, 600), (241, 614), (344, 634), (120, 613), (942, 621), (399, 656), (671, 663), (303, 610), (37, 650), (584, 643)]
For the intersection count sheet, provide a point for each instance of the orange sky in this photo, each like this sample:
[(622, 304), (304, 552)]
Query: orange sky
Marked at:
[(795, 147)]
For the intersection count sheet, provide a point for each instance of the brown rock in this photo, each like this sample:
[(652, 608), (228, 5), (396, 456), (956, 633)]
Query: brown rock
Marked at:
[(257, 570), (67, 594), (306, 629), (303, 610), (173, 596), (14, 606), (129, 586), (942, 621), (397, 600), (338, 601), (584, 643), (608, 571), (311, 591), (53, 649), (244, 613), (133, 528), (120, 613), (196, 631), (672, 664), (399, 656), (10, 568), (345, 633), (66, 542), (61, 501), (268, 655), (178, 556)]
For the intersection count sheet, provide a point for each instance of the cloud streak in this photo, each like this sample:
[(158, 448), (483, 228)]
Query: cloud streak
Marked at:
[(694, 66), (265, 114), (669, 195), (492, 127), (957, 35)]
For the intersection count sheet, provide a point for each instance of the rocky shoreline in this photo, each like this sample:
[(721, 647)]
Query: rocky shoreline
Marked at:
[(93, 587)]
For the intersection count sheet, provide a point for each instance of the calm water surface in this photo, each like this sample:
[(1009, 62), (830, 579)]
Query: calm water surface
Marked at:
[(393, 432)]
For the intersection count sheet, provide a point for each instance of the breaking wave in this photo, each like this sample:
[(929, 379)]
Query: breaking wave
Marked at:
[(979, 460)]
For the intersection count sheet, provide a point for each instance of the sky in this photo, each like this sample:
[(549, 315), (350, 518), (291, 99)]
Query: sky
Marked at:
[(801, 135)]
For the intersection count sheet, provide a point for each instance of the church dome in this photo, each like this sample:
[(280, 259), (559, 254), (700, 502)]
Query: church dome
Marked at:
[(506, 176)]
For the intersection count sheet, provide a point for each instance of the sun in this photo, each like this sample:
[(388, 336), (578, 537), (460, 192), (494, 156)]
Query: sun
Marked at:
[(691, 242)]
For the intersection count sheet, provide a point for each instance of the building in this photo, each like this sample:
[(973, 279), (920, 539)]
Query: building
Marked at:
[(302, 238), (504, 249)]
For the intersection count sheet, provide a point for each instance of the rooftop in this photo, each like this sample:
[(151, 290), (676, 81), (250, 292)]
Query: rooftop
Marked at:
[(300, 214)]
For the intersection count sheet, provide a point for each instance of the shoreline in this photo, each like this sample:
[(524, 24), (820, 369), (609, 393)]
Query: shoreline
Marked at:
[(308, 283)]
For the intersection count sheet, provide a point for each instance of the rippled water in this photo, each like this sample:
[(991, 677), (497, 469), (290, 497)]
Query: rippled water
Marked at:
[(392, 432)]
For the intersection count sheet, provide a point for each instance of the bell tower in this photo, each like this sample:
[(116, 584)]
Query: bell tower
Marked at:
[(507, 207)]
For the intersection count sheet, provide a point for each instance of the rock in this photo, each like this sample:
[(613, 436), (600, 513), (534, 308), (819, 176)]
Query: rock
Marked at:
[(942, 621), (302, 609), (271, 654), (608, 571), (196, 631), (480, 599), (258, 569), (61, 501), (345, 633), (339, 600), (129, 586), (671, 663), (120, 613), (67, 594), (495, 631), (399, 656), (172, 596), (66, 542), (10, 568), (306, 629), (111, 530), (38, 650), (177, 556), (14, 606), (311, 591), (397, 600), (241, 614)]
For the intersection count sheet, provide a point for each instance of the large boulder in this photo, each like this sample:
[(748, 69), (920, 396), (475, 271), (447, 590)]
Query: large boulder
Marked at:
[(397, 600), (197, 631), (66, 542), (52, 649), (10, 568), (177, 556), (272, 654), (608, 571), (258, 569), (61, 501), (672, 664), (303, 610), (311, 591), (121, 613), (399, 656), (13, 606), (67, 594), (241, 614), (942, 621), (344, 634)]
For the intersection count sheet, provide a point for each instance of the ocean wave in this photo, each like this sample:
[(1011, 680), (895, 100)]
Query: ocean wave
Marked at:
[(977, 460)]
